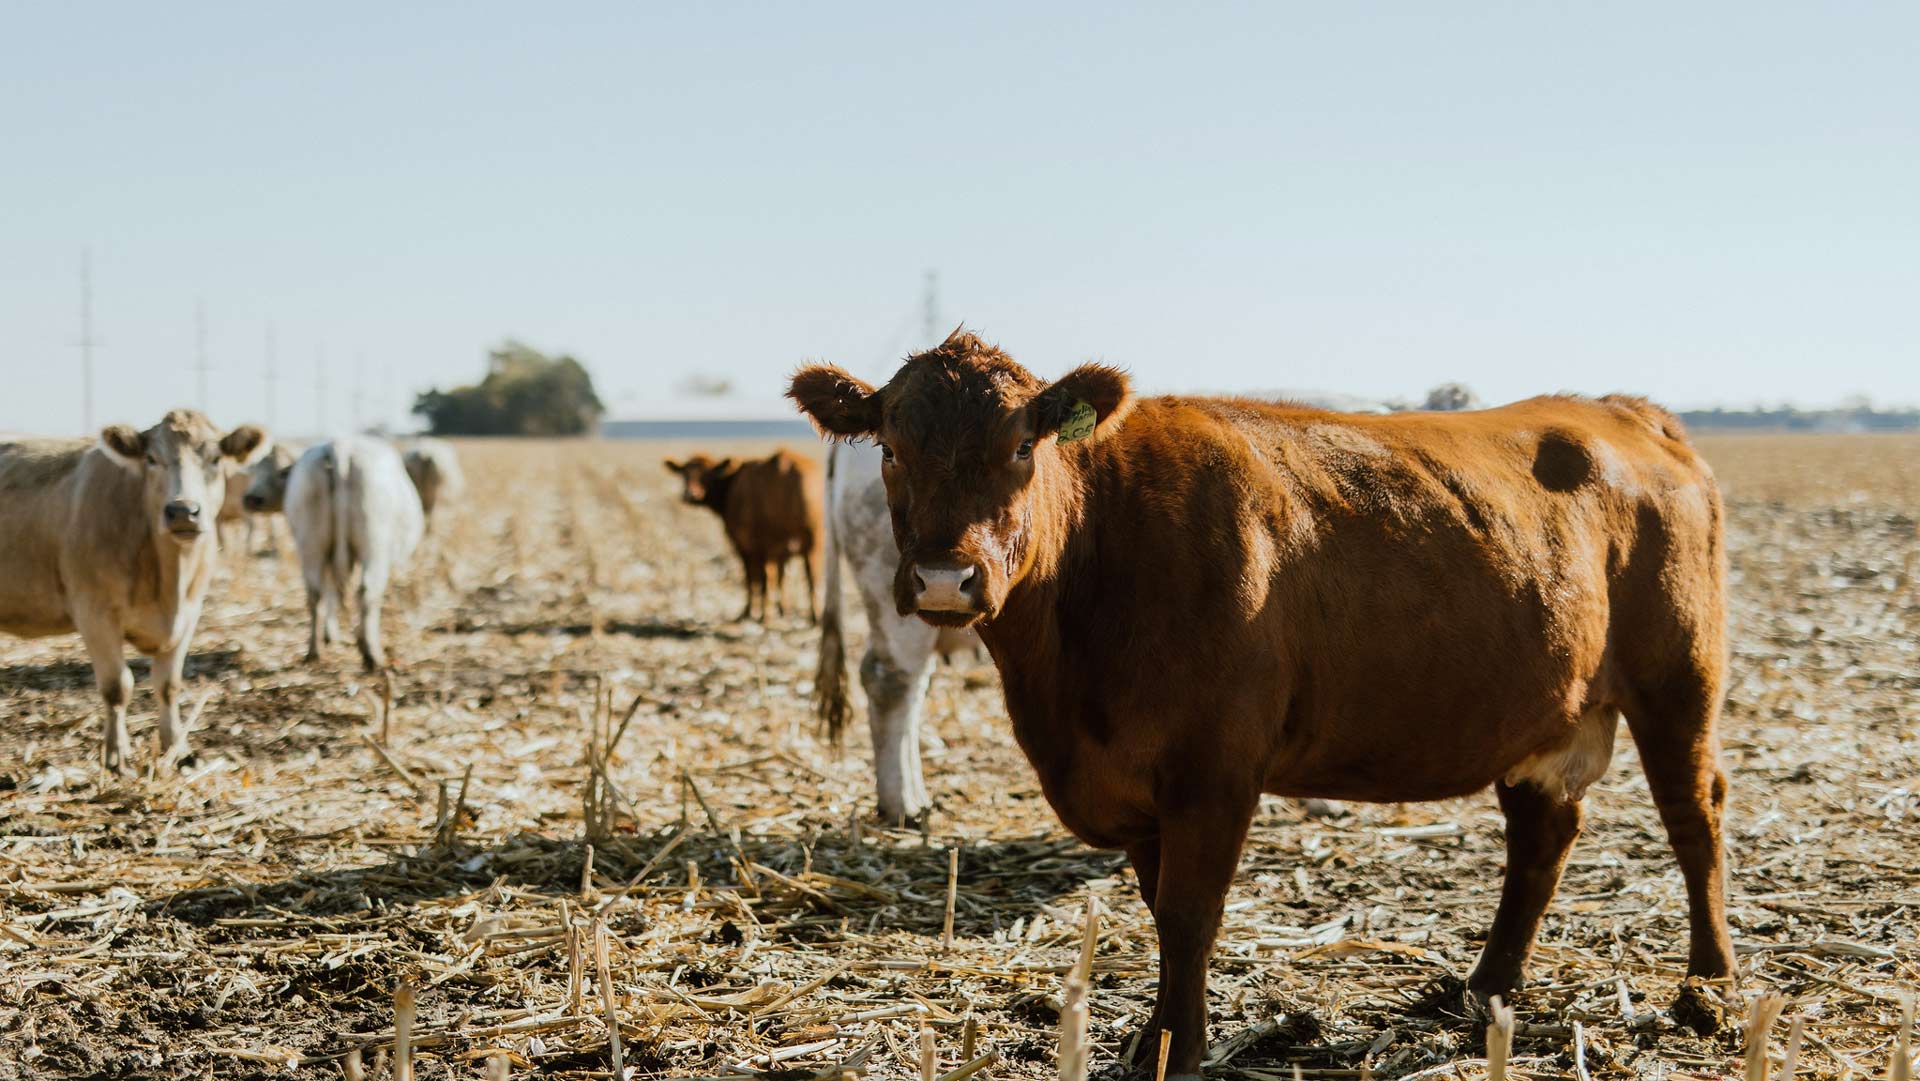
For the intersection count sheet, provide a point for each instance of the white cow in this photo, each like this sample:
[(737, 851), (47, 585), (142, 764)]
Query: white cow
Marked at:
[(351, 505), (435, 470), (116, 540), (900, 649)]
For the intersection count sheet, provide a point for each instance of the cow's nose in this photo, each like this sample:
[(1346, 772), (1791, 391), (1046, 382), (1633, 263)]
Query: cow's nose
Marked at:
[(182, 512), (252, 502), (942, 587)]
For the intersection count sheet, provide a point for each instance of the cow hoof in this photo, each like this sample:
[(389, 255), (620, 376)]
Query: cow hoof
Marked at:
[(903, 820), (1696, 1008), (312, 657)]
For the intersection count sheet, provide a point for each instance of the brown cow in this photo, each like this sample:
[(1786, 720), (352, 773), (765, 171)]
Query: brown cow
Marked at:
[(772, 508), (116, 540), (1193, 601)]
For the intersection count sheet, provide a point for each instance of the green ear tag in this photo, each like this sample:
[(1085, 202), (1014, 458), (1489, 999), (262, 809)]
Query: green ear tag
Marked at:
[(1079, 423)]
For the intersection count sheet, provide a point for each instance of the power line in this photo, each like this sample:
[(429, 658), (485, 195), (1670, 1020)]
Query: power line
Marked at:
[(930, 312), (200, 349), (87, 343), (359, 396), (270, 377), (320, 389)]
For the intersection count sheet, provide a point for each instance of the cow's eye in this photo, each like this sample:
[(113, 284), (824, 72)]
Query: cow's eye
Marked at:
[(1025, 452), (153, 459), (886, 454)]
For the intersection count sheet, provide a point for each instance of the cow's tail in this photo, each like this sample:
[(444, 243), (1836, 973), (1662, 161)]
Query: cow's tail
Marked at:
[(339, 482), (830, 702)]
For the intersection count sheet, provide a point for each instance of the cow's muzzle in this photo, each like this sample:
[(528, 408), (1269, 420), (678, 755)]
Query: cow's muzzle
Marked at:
[(183, 519), (253, 502), (947, 594)]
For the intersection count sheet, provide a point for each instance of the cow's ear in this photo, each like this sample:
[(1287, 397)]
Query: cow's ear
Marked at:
[(837, 403), (673, 466), (246, 444), (124, 445), (1088, 402)]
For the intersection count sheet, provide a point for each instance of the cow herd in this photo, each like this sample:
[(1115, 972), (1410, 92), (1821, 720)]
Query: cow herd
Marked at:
[(117, 540), (1191, 602)]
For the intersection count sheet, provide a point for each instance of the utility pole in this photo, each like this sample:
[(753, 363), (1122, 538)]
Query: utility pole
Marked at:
[(271, 376), (930, 311), (359, 378), (200, 349), (87, 342), (320, 389)]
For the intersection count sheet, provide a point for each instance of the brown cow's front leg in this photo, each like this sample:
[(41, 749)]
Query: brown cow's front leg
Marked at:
[(1540, 833), (813, 590), (1199, 851)]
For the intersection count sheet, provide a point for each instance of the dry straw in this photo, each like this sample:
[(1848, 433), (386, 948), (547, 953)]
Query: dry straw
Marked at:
[(304, 852)]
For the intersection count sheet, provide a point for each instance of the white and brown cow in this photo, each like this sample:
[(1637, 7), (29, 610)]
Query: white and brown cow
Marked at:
[(115, 540), (898, 663)]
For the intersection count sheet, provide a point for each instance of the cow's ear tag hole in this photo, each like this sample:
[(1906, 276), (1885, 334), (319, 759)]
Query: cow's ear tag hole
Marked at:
[(1079, 423)]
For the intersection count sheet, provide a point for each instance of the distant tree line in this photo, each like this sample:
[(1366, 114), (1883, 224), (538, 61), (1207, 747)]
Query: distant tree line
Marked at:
[(525, 392), (1850, 418), (1855, 415)]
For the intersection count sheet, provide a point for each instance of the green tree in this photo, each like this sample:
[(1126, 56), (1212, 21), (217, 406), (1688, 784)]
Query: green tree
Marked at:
[(525, 392)]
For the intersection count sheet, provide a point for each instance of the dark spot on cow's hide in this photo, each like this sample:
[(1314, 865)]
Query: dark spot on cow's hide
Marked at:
[(1562, 463)]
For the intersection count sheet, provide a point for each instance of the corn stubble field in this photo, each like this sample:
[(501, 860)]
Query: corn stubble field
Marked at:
[(596, 796)]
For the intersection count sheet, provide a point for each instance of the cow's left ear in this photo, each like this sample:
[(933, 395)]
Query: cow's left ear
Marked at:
[(672, 465), (1089, 401), (246, 444)]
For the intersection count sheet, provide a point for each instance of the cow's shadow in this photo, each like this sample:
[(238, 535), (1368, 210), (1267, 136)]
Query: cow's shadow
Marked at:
[(77, 674), (633, 628), (885, 881)]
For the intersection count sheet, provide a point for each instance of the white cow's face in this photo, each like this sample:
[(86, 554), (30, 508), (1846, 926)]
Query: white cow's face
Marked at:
[(184, 462)]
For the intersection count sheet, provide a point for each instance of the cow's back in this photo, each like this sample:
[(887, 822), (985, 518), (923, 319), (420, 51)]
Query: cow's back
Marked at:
[(1408, 589), (72, 522), (383, 514), (774, 506)]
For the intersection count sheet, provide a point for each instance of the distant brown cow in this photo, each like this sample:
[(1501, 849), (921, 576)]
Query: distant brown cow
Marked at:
[(1193, 601), (772, 508), (116, 540)]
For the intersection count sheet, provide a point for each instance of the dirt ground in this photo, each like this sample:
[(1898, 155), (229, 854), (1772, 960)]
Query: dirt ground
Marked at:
[(254, 916)]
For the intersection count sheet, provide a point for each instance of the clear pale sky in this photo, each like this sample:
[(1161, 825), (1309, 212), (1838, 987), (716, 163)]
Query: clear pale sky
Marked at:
[(1705, 202)]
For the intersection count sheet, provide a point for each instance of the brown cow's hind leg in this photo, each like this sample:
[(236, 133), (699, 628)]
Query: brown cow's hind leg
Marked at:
[(756, 573), (1145, 857), (1540, 832), (1680, 755)]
